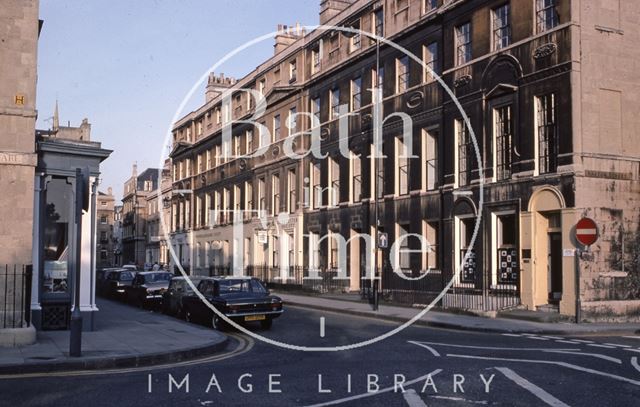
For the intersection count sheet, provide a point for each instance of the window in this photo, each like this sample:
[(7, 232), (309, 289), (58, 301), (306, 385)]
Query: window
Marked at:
[(316, 187), (237, 146), (332, 245), (314, 251), (103, 220), (103, 255), (103, 237), (262, 86), (334, 181), (356, 39), (237, 202), (334, 43), (335, 103), (103, 203), (199, 161), (199, 128), (501, 27), (506, 260), (316, 58), (463, 43), (430, 58), (463, 151), (275, 248), (402, 168), (380, 178), (276, 127), (546, 15), (430, 5), (248, 138), (292, 121), (430, 159), (218, 115), (403, 254), (315, 110), (261, 195), (208, 159), (227, 204), (276, 76), (356, 178), (292, 188), (356, 94), (293, 71), (218, 154), (503, 134), (378, 22), (430, 259), (466, 227), (547, 137), (402, 74), (275, 194), (401, 5), (248, 198)]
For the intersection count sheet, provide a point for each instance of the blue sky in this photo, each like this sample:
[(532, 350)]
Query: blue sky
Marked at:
[(126, 65)]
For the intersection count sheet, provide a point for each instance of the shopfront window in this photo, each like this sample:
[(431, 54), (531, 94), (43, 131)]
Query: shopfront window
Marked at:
[(56, 250)]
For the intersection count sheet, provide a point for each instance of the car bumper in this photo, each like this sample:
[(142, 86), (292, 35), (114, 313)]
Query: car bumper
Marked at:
[(271, 314)]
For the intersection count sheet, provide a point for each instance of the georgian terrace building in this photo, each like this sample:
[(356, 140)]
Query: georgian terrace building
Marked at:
[(549, 93)]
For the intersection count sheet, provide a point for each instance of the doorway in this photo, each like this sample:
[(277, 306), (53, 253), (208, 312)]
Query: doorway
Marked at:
[(555, 267)]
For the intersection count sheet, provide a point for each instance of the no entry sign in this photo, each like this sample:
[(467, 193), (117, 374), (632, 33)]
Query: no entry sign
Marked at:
[(586, 231)]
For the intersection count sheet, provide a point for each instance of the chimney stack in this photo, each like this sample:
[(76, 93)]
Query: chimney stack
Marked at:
[(286, 36), (331, 8), (216, 85)]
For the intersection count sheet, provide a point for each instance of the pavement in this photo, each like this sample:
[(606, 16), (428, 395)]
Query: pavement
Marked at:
[(454, 321), (124, 337)]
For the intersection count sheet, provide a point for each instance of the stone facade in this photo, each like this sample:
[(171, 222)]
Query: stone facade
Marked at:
[(19, 31), (547, 89), (105, 230)]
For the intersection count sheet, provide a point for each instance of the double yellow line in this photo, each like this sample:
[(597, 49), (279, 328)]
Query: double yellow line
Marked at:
[(245, 344)]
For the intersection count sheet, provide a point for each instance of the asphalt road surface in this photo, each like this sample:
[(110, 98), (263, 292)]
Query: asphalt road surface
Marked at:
[(416, 367)]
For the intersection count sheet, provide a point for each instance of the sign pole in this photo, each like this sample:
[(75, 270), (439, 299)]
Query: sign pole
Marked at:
[(81, 202)]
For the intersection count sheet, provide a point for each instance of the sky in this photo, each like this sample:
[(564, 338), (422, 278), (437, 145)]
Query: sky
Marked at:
[(126, 65)]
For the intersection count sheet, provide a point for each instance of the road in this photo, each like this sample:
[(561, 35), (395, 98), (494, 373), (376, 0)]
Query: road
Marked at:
[(434, 367)]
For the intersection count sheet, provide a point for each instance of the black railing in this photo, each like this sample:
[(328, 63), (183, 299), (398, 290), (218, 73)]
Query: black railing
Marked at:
[(300, 278), (15, 288)]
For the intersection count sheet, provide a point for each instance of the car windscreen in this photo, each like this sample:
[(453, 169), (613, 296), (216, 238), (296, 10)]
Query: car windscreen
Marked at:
[(157, 277), (126, 276), (232, 286)]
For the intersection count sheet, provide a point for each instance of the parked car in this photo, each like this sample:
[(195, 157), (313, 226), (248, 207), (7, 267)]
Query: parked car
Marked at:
[(240, 299), (102, 279), (172, 298), (147, 288), (117, 281), (130, 267)]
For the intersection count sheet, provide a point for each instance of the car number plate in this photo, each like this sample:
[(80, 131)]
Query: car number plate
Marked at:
[(254, 317)]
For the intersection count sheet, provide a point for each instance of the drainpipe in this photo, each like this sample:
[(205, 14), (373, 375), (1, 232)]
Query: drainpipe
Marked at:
[(578, 300)]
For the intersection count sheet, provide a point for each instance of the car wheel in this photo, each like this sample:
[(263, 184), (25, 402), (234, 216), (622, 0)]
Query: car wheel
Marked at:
[(217, 323), (188, 316), (266, 324)]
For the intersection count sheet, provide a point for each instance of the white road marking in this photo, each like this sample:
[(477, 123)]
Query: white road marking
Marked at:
[(571, 342), (597, 345), (538, 338), (552, 337), (633, 350), (412, 399), (532, 388), (617, 344), (322, 327), (483, 347), (551, 362), (385, 390), (429, 348), (513, 335), (459, 399), (582, 341), (632, 337), (634, 363), (595, 355)]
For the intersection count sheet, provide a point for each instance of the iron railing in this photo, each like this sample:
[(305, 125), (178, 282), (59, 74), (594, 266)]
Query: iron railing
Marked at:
[(15, 288)]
